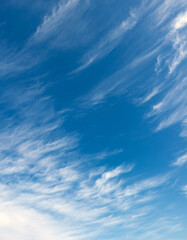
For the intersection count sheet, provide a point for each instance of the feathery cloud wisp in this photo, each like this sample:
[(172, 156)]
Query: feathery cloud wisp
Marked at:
[(180, 160)]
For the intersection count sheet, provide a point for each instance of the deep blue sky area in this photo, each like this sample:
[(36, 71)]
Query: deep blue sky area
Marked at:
[(93, 109)]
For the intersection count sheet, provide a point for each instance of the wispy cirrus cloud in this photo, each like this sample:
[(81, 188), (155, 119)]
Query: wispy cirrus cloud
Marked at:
[(166, 10), (13, 61), (117, 84), (177, 35), (48, 35), (104, 89), (109, 42), (172, 107), (173, 104), (46, 185), (55, 27), (114, 36), (180, 160), (54, 32), (145, 184), (184, 189), (44, 182), (180, 21)]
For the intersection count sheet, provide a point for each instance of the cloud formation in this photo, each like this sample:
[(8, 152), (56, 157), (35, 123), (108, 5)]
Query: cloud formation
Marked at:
[(50, 191), (54, 184), (180, 160)]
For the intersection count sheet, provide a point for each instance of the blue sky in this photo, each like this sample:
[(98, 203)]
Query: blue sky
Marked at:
[(93, 109)]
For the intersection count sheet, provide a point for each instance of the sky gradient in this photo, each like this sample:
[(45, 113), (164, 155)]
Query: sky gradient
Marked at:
[(93, 130)]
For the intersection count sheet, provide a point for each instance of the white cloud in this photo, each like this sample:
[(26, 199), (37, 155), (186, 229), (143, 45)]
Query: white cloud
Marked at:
[(184, 131), (117, 84), (13, 62), (180, 21), (109, 42), (47, 186), (184, 189), (169, 18), (180, 160), (26, 224), (115, 36), (53, 21), (182, 53), (165, 10), (112, 174), (145, 185), (172, 108)]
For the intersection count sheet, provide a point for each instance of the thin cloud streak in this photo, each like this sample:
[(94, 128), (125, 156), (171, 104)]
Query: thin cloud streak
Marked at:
[(180, 160), (108, 43), (114, 36), (117, 84), (48, 184), (48, 190)]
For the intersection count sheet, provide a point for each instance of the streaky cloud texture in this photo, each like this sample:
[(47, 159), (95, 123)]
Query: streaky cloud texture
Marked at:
[(93, 109)]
